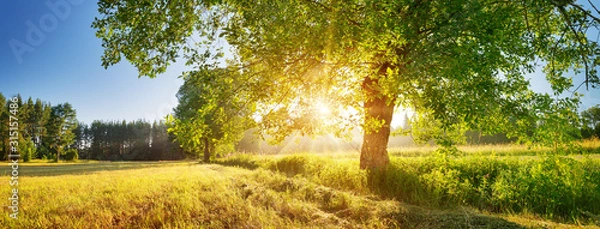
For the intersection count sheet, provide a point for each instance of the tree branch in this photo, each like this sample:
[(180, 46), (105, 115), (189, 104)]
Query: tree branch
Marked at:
[(563, 12), (585, 11), (329, 9)]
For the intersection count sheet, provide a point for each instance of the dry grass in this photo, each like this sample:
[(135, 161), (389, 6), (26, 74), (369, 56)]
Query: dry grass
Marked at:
[(243, 192)]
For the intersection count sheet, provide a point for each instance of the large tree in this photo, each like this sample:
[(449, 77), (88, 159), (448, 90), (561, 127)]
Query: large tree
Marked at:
[(457, 64)]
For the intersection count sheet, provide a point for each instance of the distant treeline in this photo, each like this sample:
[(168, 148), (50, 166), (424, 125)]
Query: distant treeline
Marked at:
[(43, 131), (134, 140)]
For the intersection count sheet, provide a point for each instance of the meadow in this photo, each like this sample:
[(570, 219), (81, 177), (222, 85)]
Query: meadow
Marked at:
[(479, 187)]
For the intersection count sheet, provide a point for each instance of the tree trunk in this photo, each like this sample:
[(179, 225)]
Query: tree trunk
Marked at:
[(206, 150), (373, 154)]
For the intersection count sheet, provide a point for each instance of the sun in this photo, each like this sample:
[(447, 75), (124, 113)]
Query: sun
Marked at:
[(322, 109)]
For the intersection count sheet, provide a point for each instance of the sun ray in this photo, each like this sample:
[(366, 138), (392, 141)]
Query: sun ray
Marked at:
[(322, 108)]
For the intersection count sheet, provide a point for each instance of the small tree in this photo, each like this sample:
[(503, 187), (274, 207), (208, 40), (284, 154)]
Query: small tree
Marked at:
[(27, 149), (591, 122), (3, 128), (213, 110), (60, 128)]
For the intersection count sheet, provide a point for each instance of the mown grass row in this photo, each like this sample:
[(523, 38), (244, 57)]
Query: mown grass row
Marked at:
[(553, 187)]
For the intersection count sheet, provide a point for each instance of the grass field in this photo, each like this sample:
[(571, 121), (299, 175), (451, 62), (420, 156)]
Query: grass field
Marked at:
[(479, 190)]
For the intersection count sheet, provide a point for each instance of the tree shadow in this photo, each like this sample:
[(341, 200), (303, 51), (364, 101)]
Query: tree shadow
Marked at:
[(398, 184), (241, 162), (416, 217)]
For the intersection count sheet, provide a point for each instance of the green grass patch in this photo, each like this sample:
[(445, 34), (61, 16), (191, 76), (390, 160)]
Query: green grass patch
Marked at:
[(560, 188)]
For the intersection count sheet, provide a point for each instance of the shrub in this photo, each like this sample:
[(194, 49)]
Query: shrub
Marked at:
[(71, 155), (27, 150)]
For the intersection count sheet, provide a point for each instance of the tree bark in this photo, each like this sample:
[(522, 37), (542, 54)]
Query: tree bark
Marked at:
[(206, 150), (373, 154), (57, 155)]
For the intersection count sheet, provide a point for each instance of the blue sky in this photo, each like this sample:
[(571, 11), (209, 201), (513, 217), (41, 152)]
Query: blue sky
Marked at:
[(63, 65)]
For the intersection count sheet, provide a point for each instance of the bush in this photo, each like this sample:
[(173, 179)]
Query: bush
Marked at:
[(44, 153), (71, 155), (27, 149), (27, 156)]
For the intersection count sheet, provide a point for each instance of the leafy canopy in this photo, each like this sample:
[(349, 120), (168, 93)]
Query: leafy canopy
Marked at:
[(213, 110), (458, 64)]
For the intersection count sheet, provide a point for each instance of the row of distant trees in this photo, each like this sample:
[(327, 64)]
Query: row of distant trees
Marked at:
[(53, 132), (134, 140), (44, 131)]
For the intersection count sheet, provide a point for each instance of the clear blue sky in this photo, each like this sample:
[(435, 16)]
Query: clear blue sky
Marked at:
[(64, 65)]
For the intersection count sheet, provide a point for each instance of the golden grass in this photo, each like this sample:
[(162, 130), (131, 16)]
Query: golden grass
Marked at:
[(212, 196), (185, 196), (191, 195)]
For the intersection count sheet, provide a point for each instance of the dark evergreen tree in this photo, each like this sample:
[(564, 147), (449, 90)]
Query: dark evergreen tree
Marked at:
[(3, 127), (60, 128)]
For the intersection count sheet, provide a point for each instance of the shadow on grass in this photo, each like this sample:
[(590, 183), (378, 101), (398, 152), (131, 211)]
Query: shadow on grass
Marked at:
[(417, 217), (397, 183), (405, 216), (245, 162), (58, 169)]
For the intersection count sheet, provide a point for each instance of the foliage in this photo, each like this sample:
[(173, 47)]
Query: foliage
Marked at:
[(586, 147), (457, 64), (60, 126), (591, 122), (164, 145), (47, 131), (556, 187), (214, 111), (32, 118), (27, 150), (71, 155), (591, 116), (3, 128), (115, 139), (133, 140)]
